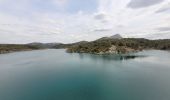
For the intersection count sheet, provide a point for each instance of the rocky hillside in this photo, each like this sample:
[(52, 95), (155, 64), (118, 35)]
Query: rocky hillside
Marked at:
[(116, 36), (124, 45)]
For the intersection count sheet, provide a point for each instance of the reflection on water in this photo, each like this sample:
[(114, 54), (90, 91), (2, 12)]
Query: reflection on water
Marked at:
[(56, 75), (111, 57)]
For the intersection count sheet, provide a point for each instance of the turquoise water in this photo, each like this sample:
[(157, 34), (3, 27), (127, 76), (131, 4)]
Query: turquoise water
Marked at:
[(56, 75)]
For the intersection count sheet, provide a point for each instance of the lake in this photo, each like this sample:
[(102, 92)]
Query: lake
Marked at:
[(57, 75)]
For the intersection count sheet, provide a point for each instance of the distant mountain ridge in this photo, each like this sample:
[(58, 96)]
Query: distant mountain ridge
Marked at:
[(116, 36), (54, 45), (112, 44), (45, 45)]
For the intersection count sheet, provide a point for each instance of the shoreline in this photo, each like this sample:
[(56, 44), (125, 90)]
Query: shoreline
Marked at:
[(7, 52)]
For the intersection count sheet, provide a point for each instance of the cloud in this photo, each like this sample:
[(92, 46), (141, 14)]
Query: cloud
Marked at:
[(60, 2), (102, 30), (164, 29), (100, 16), (24, 21), (164, 8), (143, 3), (162, 35)]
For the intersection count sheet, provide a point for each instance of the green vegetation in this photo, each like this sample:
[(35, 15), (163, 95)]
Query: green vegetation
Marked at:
[(6, 48), (124, 45), (100, 46)]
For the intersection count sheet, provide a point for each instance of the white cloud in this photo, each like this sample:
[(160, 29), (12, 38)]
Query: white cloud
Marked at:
[(23, 24), (134, 20), (60, 2), (143, 3)]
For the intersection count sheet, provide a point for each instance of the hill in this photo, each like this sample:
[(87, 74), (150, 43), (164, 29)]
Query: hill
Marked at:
[(7, 48), (124, 45), (106, 45), (116, 36)]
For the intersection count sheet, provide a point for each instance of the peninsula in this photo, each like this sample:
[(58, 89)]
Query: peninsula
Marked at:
[(118, 45)]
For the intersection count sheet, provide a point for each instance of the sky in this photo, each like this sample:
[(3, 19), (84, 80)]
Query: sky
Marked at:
[(67, 21)]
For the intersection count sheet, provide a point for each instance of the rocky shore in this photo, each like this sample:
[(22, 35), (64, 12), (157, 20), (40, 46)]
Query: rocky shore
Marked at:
[(119, 50), (10, 51), (111, 50)]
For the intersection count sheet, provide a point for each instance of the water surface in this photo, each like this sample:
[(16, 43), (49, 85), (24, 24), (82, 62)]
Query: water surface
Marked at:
[(56, 75)]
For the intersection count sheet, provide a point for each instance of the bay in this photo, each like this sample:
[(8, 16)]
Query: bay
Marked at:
[(57, 75)]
